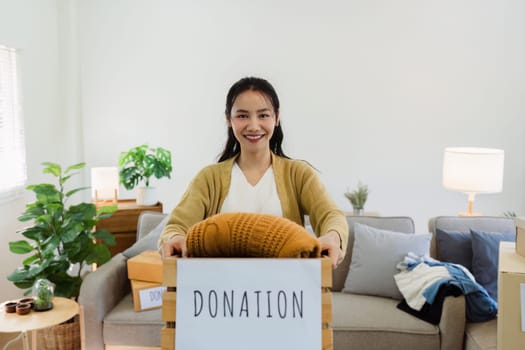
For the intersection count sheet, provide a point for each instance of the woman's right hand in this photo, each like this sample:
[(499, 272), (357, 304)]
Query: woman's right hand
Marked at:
[(174, 246)]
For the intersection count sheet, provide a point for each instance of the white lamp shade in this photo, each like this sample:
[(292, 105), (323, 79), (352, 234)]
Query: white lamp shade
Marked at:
[(104, 182), (473, 170)]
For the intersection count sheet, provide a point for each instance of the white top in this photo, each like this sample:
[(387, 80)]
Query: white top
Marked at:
[(243, 197)]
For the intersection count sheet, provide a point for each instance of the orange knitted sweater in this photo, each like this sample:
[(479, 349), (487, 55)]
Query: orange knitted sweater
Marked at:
[(250, 235)]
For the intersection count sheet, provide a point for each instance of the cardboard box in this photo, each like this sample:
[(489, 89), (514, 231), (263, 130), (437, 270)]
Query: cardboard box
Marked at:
[(511, 304), (146, 295), (147, 266), (520, 235)]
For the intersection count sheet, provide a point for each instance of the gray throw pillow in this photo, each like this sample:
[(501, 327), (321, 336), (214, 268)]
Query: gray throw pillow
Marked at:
[(455, 247), (149, 242), (485, 258), (375, 255)]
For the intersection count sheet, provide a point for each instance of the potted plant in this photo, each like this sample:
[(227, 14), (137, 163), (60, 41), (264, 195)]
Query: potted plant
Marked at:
[(358, 198), (60, 236), (138, 165)]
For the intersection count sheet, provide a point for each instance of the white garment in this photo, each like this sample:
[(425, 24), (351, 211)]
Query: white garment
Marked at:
[(413, 283), (243, 197)]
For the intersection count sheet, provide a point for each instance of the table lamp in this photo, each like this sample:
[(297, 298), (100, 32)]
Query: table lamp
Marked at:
[(473, 170), (104, 184)]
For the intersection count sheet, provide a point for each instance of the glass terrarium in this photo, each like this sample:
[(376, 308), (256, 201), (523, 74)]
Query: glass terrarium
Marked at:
[(44, 291)]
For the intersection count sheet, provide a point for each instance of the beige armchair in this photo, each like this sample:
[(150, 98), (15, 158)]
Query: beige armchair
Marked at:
[(110, 320)]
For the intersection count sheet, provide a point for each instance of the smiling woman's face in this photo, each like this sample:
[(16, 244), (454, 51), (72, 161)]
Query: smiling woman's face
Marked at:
[(253, 120)]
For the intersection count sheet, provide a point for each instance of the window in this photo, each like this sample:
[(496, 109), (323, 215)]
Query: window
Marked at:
[(12, 151)]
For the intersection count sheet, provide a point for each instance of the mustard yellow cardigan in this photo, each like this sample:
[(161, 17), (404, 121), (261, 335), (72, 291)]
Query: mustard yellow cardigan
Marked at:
[(298, 186)]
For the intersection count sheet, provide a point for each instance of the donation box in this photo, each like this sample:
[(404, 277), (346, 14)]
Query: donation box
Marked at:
[(255, 304)]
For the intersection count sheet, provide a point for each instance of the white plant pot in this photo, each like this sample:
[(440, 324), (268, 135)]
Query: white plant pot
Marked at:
[(147, 196)]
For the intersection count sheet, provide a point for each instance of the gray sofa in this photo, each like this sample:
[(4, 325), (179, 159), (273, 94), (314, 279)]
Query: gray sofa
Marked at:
[(359, 321), (479, 335)]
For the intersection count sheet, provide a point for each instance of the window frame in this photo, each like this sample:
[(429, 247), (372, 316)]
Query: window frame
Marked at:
[(12, 150)]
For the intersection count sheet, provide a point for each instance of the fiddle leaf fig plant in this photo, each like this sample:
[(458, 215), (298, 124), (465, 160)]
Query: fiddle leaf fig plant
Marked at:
[(140, 163), (60, 235)]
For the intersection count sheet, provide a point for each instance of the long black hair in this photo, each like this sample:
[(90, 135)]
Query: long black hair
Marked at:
[(232, 146)]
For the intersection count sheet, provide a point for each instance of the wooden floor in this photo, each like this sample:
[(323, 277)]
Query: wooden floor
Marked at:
[(5, 338)]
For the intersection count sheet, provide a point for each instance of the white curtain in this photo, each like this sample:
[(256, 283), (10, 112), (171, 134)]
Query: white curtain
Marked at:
[(12, 151)]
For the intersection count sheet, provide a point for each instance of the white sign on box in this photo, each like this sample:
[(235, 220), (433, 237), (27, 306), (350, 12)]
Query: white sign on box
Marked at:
[(255, 304), (151, 297)]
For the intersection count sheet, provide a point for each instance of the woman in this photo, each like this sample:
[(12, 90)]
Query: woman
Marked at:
[(254, 175)]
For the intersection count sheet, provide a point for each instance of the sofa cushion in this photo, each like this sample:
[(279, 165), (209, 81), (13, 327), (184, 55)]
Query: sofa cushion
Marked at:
[(123, 326), (485, 251), (466, 223), (367, 312), (393, 223), (454, 247), (149, 242), (370, 322), (375, 255)]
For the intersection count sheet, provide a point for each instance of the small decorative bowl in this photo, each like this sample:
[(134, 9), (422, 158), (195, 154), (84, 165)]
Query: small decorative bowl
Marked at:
[(29, 300), (23, 308), (10, 307)]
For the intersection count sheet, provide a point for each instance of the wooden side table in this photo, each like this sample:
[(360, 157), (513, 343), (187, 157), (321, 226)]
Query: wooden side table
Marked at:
[(123, 223), (63, 309)]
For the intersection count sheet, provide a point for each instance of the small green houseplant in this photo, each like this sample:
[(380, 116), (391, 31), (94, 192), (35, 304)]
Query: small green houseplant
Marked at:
[(138, 165), (59, 236), (358, 198), (43, 290)]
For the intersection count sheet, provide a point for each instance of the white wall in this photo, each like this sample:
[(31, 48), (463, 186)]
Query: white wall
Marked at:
[(32, 27), (370, 90)]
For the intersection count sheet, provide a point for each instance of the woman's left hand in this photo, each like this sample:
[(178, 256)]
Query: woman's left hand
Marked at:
[(331, 243)]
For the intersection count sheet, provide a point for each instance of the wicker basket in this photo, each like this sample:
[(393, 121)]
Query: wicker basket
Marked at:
[(65, 336)]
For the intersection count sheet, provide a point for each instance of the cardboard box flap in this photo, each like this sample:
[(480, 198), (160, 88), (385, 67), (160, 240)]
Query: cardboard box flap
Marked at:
[(509, 261), (147, 266), (520, 222)]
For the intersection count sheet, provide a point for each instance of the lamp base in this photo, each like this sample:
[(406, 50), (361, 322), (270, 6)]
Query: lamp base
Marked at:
[(105, 202), (465, 213), (102, 202), (470, 206)]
